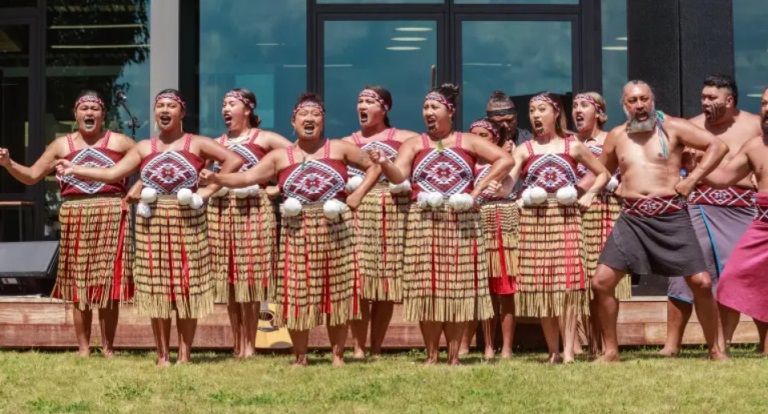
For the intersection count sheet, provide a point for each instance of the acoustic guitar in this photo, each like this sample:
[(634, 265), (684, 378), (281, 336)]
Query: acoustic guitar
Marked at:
[(268, 336)]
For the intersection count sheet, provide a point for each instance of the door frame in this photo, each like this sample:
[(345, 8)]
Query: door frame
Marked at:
[(34, 18)]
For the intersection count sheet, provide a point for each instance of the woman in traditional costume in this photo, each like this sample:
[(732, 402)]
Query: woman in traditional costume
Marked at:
[(172, 270), (242, 229), (96, 249), (552, 280), (380, 222), (589, 116), (315, 278), (445, 276)]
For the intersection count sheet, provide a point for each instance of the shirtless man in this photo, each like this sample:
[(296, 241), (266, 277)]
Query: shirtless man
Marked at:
[(654, 235), (743, 285), (719, 217)]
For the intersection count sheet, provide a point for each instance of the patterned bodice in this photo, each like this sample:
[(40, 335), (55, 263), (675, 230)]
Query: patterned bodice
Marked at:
[(450, 171), (549, 171), (485, 196), (388, 146), (170, 171), (314, 180), (99, 157), (597, 151), (250, 152)]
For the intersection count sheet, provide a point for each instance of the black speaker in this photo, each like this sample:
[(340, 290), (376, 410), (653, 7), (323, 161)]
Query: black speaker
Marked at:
[(28, 268)]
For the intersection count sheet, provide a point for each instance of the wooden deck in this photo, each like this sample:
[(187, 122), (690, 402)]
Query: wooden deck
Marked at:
[(43, 323)]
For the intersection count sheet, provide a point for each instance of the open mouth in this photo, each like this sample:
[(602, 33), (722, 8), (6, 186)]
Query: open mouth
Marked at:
[(579, 120), (707, 111), (538, 127), (641, 116), (309, 129), (431, 123), (89, 123), (228, 119), (363, 117), (165, 120)]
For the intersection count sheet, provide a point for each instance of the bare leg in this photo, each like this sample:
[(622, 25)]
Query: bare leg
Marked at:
[(161, 328), (431, 332), (604, 287), (360, 329), (551, 328), (678, 314), (507, 317), (729, 319), (108, 322), (381, 316), (762, 329), (569, 323), (453, 333), (250, 318), (300, 340), (706, 312), (337, 334), (83, 320), (466, 337), (235, 322), (489, 333), (186, 329), (595, 334)]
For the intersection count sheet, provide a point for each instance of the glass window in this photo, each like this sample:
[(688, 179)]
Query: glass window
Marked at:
[(254, 44), (379, 1), (518, 1), (398, 55), (751, 57), (14, 99), (614, 42), (518, 57), (102, 49), (18, 3)]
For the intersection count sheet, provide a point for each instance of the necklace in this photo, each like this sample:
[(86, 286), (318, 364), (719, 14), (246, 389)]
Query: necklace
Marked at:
[(440, 146)]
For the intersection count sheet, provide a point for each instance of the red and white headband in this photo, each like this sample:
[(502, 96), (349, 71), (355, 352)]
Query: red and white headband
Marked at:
[(436, 96), (89, 98), (546, 99), (242, 98), (173, 97), (309, 104), (598, 107), (366, 93), (482, 123)]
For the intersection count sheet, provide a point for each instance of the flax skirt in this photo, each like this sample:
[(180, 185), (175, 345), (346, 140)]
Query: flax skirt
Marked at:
[(173, 264), (242, 234), (552, 259), (95, 252), (315, 277), (380, 223), (445, 270), (597, 223), (500, 221)]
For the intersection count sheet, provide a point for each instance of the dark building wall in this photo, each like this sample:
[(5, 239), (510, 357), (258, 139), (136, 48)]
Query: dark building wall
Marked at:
[(674, 44)]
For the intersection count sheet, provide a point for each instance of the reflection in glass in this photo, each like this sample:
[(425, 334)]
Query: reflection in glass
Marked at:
[(106, 50), (255, 44), (14, 99), (519, 57), (518, 1), (398, 55), (380, 1), (614, 43), (751, 56)]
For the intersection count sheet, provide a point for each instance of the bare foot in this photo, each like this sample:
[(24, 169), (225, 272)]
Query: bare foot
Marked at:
[(608, 357), (338, 361), (84, 353), (578, 350), (506, 354), (718, 355), (454, 362), (431, 361), (108, 353), (359, 354), (463, 351), (669, 352), (555, 359), (163, 363), (301, 361), (489, 354)]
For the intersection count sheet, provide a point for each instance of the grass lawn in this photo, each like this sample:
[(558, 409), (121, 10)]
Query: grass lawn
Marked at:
[(37, 382)]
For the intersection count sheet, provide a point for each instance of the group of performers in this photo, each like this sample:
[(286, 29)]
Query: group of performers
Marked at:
[(462, 228)]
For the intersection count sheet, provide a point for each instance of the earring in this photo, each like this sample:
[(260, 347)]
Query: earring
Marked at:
[(157, 128)]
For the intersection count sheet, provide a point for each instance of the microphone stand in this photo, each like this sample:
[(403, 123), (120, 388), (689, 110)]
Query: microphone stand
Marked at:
[(134, 123)]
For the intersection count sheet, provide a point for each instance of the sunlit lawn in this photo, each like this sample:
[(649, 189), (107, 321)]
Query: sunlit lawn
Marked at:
[(39, 382)]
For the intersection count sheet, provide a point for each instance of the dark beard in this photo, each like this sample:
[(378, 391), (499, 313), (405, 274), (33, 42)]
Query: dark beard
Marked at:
[(717, 112), (764, 125)]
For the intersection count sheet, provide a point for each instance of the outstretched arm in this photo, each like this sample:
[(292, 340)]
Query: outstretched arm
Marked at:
[(734, 171), (260, 173), (31, 175)]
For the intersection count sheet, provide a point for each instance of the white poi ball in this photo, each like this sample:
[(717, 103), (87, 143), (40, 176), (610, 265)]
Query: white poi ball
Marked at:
[(468, 201), (435, 199), (406, 186), (422, 199), (184, 196), (333, 209), (223, 191), (526, 197), (148, 195), (143, 210), (291, 207), (241, 192), (354, 182), (253, 190), (612, 185), (197, 201), (567, 195), (538, 195)]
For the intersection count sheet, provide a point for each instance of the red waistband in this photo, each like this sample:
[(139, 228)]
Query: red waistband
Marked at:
[(652, 206), (761, 214), (727, 197)]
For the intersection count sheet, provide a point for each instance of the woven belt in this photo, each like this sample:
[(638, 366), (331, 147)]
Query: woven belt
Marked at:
[(727, 197), (652, 206)]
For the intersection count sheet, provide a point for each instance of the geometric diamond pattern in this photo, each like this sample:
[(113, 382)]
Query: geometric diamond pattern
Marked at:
[(168, 172), (88, 157), (314, 181), (727, 197), (653, 206), (386, 147), (550, 172), (444, 172)]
